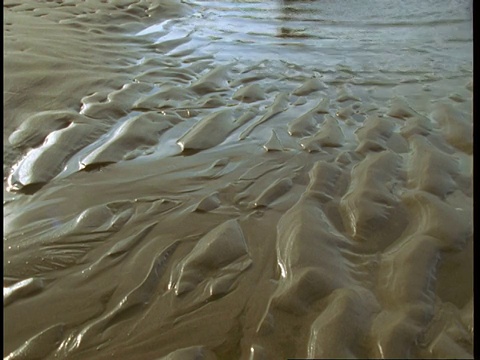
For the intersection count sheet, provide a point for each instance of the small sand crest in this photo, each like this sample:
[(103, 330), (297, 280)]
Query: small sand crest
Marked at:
[(302, 228), (210, 131), (33, 131), (249, 93), (456, 127), (399, 108), (137, 133), (213, 81), (432, 215), (308, 122), (309, 86), (279, 105), (274, 143), (42, 164), (223, 250), (377, 134), (417, 125), (330, 134), (431, 169), (272, 193), (370, 204), (344, 307)]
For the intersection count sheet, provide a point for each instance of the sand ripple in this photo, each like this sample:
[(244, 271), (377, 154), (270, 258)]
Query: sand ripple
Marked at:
[(237, 180)]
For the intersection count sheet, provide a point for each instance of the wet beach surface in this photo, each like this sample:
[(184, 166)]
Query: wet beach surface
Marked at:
[(238, 179)]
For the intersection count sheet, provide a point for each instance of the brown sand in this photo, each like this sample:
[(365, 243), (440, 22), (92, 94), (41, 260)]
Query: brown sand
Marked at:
[(162, 204)]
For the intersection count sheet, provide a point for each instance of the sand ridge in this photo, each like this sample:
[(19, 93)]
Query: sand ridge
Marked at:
[(164, 200)]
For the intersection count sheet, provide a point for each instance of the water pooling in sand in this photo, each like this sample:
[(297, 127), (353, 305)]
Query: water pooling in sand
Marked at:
[(301, 170)]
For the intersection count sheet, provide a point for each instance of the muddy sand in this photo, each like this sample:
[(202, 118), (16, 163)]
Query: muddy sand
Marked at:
[(238, 179)]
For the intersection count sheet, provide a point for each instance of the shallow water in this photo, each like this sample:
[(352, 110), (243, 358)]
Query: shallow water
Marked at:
[(301, 170), (372, 36)]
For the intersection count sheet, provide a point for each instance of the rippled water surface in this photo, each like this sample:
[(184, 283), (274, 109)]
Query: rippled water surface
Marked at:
[(367, 36)]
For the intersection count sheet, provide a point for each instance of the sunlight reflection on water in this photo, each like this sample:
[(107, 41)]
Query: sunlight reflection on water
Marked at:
[(361, 35)]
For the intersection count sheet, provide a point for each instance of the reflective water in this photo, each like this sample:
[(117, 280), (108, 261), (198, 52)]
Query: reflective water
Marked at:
[(371, 35)]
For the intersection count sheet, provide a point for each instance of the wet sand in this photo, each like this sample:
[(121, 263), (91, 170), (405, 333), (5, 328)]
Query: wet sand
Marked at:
[(178, 187)]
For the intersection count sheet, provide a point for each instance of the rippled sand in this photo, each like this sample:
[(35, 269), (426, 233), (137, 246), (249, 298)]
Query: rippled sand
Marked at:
[(237, 180)]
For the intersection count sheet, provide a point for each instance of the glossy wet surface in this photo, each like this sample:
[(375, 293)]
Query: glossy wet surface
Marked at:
[(238, 179)]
